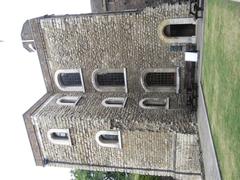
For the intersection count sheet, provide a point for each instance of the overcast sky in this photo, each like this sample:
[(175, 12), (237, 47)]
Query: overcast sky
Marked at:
[(22, 85)]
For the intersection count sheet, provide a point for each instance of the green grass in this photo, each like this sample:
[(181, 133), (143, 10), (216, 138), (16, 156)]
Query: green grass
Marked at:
[(221, 82)]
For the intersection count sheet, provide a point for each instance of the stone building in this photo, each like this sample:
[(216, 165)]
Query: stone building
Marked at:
[(116, 92)]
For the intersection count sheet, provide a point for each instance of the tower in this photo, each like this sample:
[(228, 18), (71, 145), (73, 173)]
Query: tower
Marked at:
[(116, 92)]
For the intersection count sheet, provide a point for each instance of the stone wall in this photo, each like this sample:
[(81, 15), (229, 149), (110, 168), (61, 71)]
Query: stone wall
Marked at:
[(157, 142), (131, 117), (149, 143), (127, 40)]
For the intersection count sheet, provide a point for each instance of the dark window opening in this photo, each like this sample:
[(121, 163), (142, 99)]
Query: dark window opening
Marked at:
[(109, 139), (180, 30), (72, 101), (160, 79), (114, 102), (70, 79), (110, 79), (59, 136), (154, 103)]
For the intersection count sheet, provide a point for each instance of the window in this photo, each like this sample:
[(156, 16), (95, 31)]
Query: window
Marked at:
[(69, 80), (59, 136), (161, 80), (154, 103), (114, 102), (110, 80), (111, 139), (68, 100), (181, 30)]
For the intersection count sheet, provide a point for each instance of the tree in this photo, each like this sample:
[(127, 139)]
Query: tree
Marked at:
[(97, 175)]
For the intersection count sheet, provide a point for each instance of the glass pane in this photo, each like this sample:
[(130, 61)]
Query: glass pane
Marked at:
[(108, 137), (70, 79), (60, 135), (110, 79), (180, 30), (160, 79)]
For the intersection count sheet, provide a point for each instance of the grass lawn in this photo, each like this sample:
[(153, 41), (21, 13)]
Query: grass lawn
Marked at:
[(221, 82)]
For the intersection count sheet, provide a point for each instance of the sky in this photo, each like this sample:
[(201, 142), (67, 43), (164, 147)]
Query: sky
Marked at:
[(21, 85)]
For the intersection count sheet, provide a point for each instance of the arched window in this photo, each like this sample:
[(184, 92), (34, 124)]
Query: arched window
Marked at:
[(110, 80), (114, 102), (68, 100), (181, 30), (161, 80), (59, 136), (154, 103), (69, 80), (111, 139)]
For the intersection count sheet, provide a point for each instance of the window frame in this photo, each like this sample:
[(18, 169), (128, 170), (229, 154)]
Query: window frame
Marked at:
[(59, 141), (123, 99), (69, 88), (161, 88), (110, 144), (166, 100), (75, 98), (109, 88), (177, 39)]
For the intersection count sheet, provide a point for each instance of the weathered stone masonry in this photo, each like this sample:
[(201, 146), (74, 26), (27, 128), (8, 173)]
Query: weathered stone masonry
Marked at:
[(157, 142), (128, 40), (146, 142)]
